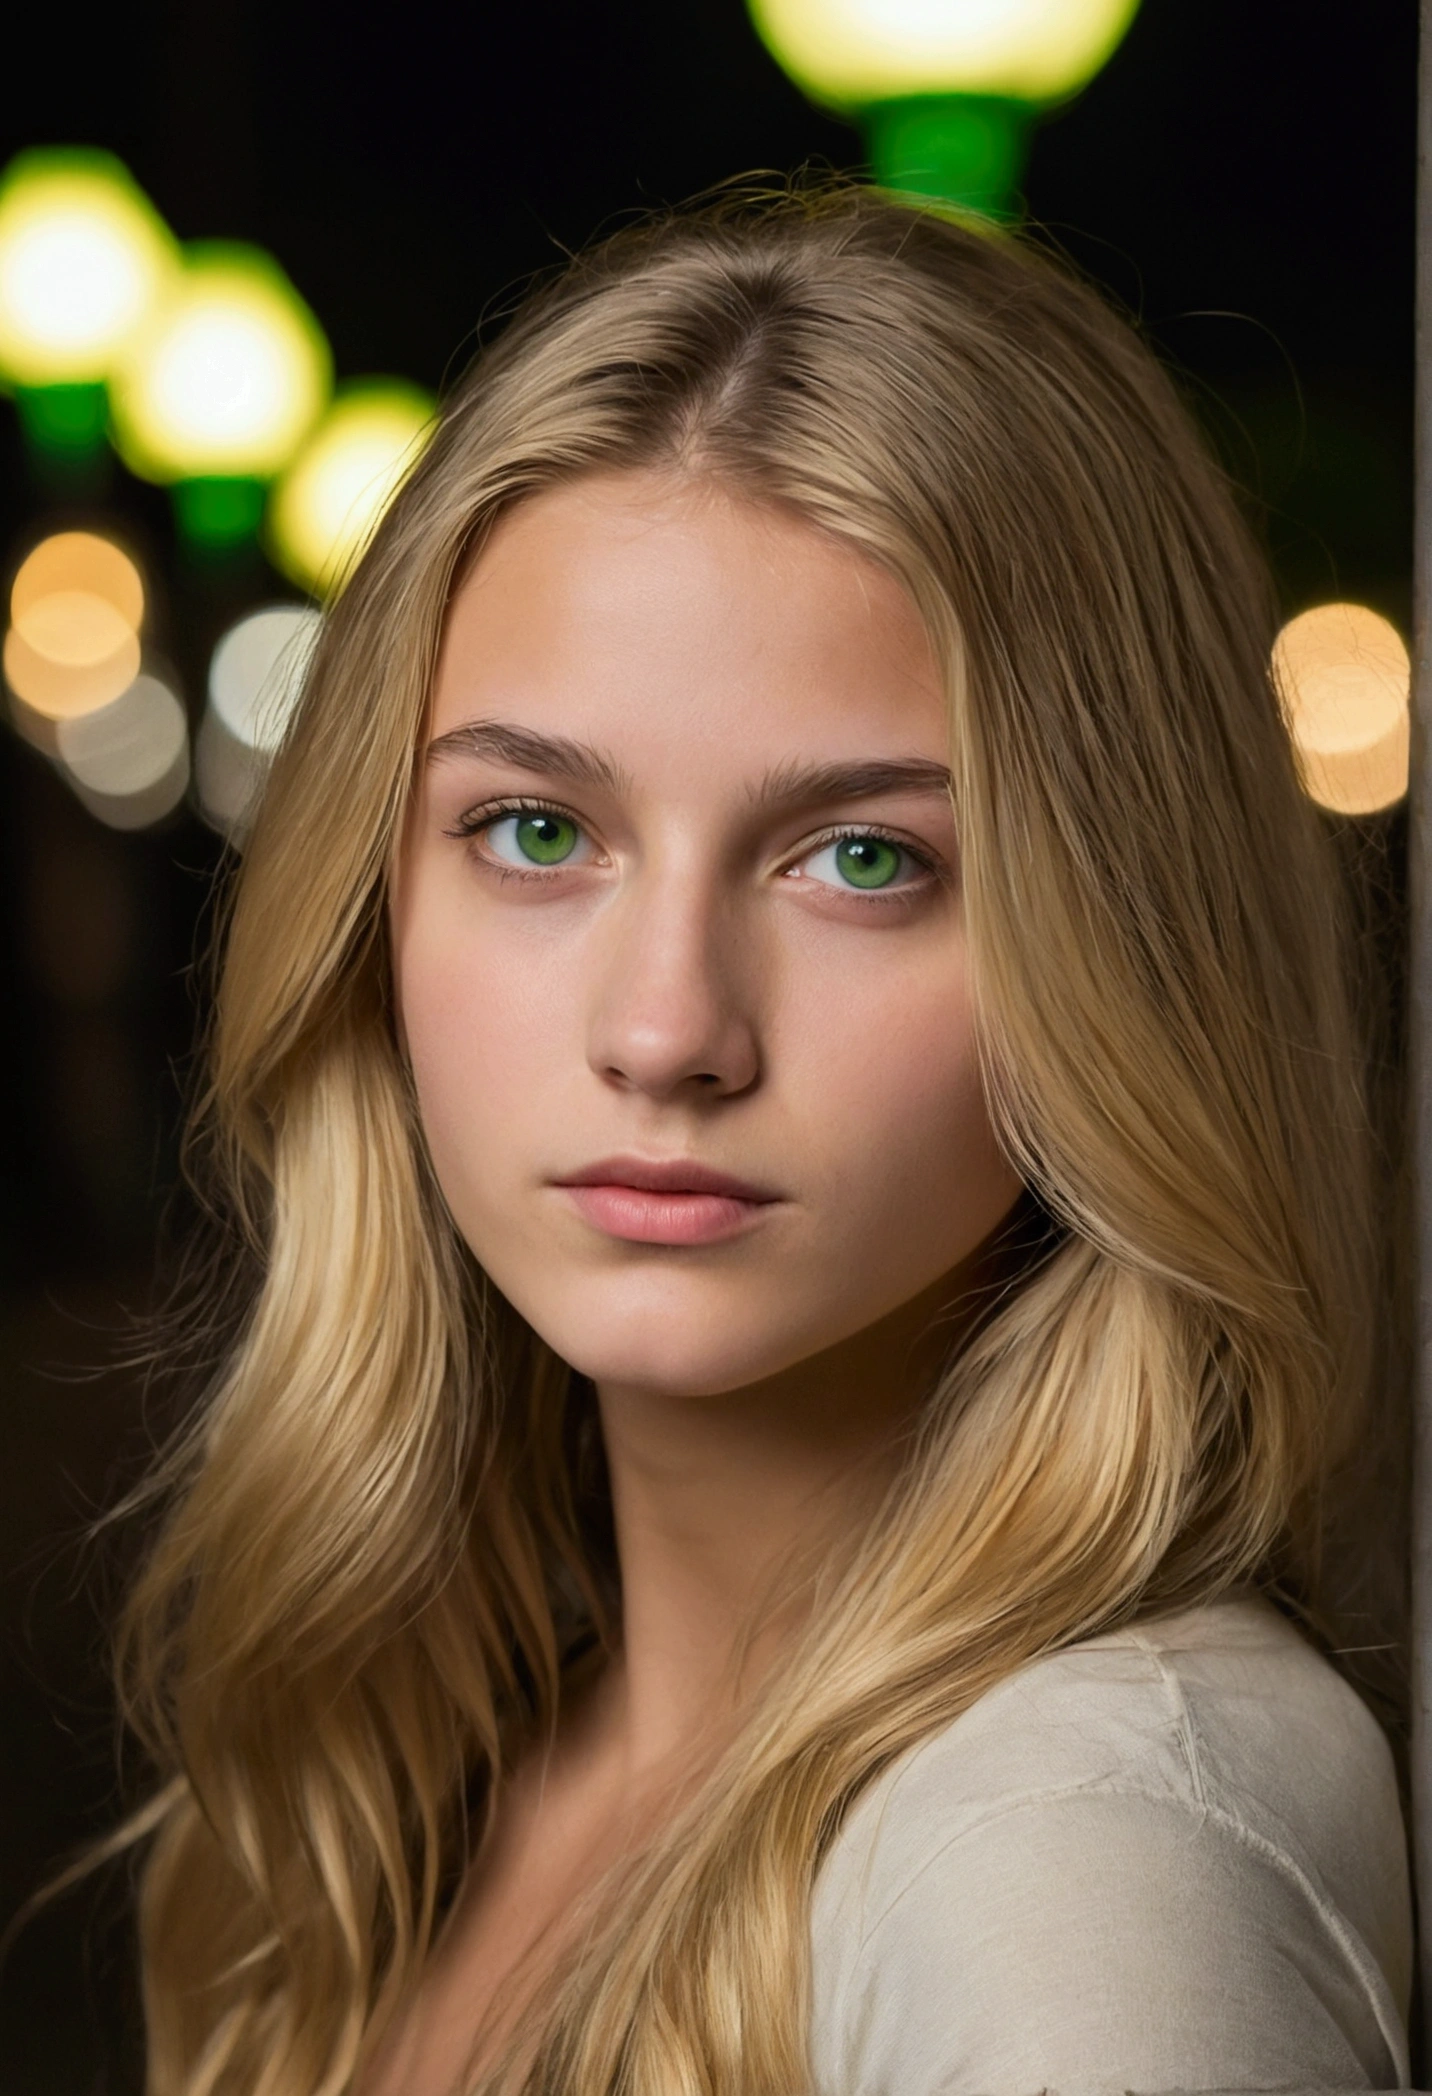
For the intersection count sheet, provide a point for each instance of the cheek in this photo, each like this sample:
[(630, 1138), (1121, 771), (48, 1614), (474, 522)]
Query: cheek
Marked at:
[(904, 1124), (928, 1095), (481, 1036)]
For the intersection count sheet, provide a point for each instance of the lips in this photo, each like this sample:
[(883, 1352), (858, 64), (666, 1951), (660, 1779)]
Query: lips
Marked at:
[(666, 1201), (666, 1176)]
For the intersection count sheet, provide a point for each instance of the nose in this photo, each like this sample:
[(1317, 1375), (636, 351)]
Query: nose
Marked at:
[(670, 1001)]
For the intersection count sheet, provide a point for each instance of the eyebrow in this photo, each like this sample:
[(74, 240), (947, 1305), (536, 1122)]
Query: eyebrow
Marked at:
[(789, 784)]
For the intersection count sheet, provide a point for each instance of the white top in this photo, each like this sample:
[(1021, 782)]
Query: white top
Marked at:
[(1168, 1858)]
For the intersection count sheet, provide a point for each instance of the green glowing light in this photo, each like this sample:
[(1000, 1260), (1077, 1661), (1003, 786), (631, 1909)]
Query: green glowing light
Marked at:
[(963, 149), (218, 512), (67, 422)]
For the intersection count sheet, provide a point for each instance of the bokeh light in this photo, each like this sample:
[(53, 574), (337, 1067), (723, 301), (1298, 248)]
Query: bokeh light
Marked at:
[(74, 629), (1345, 680), (227, 378), (83, 259), (255, 678), (228, 778), (328, 503), (55, 689), (78, 561), (76, 610), (850, 53), (129, 761), (258, 669)]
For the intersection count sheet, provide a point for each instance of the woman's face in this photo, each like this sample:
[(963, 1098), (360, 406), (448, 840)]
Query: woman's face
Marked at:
[(680, 889)]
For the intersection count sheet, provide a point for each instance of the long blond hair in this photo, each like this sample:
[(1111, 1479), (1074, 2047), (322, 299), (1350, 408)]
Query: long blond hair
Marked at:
[(385, 1530)]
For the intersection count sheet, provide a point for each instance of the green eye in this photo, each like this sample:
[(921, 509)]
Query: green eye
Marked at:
[(867, 862), (544, 839), (527, 837)]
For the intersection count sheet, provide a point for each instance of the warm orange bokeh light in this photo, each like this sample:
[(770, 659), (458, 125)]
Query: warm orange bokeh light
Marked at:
[(60, 690), (1345, 680), (76, 606), (78, 561), (74, 629)]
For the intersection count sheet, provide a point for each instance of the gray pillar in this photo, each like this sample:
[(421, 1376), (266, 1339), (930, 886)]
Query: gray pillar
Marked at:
[(1420, 1050)]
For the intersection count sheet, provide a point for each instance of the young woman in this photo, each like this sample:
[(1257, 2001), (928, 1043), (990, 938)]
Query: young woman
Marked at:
[(785, 1053)]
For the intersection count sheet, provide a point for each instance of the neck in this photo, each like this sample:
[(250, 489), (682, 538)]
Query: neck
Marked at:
[(716, 1497)]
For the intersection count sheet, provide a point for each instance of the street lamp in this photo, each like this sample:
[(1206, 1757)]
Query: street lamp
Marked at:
[(84, 257), (946, 90), (220, 389), (324, 508)]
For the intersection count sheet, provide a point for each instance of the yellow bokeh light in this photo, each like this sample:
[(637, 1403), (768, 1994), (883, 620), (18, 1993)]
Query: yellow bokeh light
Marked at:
[(1345, 680), (328, 503), (83, 259), (82, 561), (229, 376), (850, 53)]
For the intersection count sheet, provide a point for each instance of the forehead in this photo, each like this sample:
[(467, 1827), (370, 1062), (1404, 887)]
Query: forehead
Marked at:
[(676, 619)]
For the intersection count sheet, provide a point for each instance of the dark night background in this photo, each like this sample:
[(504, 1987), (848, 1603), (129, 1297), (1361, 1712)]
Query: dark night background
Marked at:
[(1241, 176)]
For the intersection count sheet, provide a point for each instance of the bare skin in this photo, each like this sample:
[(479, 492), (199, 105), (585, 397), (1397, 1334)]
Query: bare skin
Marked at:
[(687, 955)]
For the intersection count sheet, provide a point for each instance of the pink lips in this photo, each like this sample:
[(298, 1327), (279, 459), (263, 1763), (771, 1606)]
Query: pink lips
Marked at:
[(668, 1202)]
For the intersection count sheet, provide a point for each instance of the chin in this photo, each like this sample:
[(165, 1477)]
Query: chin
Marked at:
[(677, 1369), (677, 1354)]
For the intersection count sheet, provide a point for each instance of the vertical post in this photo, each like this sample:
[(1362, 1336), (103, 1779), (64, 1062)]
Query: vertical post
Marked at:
[(1420, 1048)]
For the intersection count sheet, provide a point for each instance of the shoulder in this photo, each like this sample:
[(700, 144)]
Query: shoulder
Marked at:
[(1223, 1713), (1088, 1871)]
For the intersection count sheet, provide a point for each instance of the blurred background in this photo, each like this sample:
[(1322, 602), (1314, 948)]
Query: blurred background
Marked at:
[(371, 189)]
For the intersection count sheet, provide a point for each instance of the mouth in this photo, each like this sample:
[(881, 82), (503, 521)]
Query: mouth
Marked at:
[(668, 1201)]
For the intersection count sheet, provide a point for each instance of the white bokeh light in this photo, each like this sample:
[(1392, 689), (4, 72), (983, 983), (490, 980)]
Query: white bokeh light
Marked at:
[(128, 746), (129, 761), (255, 678), (258, 669), (223, 377)]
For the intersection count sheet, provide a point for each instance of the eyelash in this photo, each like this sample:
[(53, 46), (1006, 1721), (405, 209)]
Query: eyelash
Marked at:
[(479, 819)]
